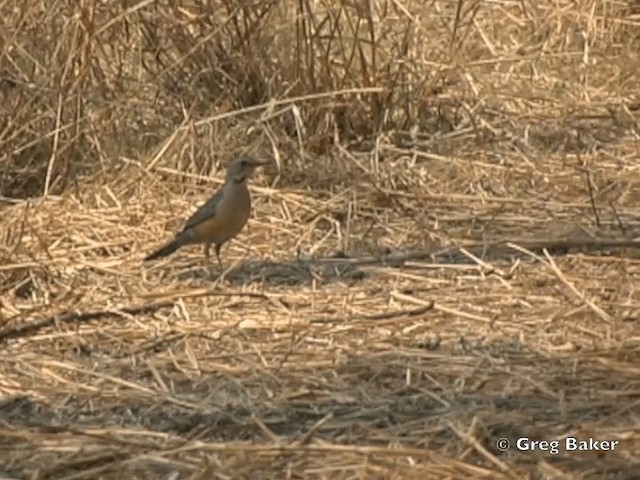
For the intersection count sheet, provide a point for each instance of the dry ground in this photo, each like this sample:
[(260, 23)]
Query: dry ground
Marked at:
[(390, 311)]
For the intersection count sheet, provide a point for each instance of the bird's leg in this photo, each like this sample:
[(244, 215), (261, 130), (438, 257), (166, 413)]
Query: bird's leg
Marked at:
[(206, 252), (217, 248)]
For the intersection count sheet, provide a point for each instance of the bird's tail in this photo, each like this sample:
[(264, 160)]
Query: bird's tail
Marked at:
[(167, 249)]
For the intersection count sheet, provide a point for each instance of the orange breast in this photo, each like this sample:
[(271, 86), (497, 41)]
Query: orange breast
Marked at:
[(231, 216)]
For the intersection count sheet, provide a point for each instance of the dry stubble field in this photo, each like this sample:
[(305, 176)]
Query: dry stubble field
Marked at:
[(441, 253)]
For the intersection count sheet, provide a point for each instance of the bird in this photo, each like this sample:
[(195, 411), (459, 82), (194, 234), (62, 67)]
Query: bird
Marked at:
[(221, 217)]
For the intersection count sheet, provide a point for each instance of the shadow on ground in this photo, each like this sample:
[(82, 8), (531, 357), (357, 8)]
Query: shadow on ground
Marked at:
[(354, 268), (327, 270)]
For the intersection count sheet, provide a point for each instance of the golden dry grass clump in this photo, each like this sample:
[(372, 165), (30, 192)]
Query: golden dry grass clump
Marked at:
[(443, 250)]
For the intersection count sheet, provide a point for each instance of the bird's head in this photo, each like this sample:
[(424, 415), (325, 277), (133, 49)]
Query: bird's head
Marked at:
[(242, 167)]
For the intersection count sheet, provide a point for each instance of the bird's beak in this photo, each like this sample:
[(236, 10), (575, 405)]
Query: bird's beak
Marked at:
[(259, 163)]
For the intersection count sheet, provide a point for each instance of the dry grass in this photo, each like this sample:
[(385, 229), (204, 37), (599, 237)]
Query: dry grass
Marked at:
[(442, 252)]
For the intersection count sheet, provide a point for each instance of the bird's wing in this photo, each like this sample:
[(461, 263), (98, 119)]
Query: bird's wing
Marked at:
[(205, 212)]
